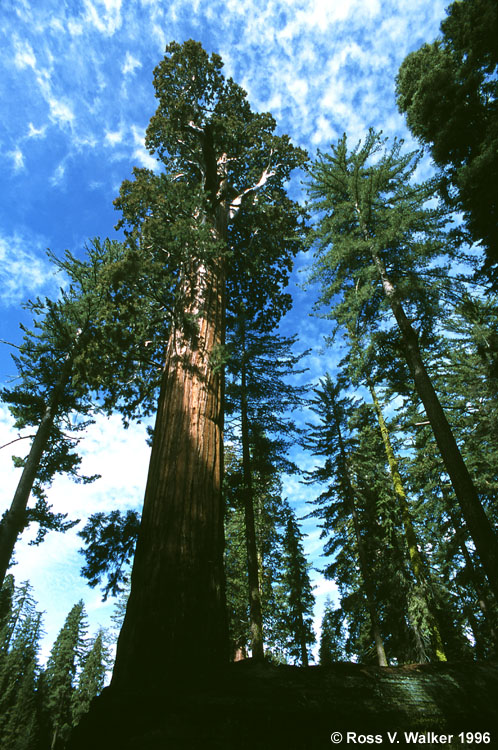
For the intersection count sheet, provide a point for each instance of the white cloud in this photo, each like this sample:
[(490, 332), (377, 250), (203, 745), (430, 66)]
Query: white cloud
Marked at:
[(324, 133), (36, 132), (113, 137), (140, 152), (105, 15), (58, 175), (75, 27), (130, 64), (17, 158), (24, 270), (60, 112), (24, 55)]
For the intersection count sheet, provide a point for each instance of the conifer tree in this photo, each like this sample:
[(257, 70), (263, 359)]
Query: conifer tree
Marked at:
[(257, 398), (63, 665), (416, 561), (73, 356), (328, 439), (215, 156), (297, 593), (92, 677), (270, 513), (378, 235), (19, 669), (331, 636)]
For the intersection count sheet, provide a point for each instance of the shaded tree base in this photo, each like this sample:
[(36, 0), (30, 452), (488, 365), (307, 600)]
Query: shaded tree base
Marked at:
[(263, 707)]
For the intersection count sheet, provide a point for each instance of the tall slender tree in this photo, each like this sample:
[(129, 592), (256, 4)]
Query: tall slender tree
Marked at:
[(416, 561), (60, 676), (92, 676), (297, 592), (328, 439), (19, 668), (378, 233), (68, 367)]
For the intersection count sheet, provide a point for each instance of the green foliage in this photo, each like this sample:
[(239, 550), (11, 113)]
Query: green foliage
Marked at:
[(110, 541), (296, 594), (20, 630), (332, 637), (271, 513), (61, 672), (92, 677), (449, 91), (370, 210)]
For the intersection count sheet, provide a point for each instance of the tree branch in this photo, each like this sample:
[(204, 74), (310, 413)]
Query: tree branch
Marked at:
[(236, 203), (16, 440)]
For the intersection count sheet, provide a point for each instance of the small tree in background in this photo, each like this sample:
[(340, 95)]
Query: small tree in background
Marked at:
[(60, 675), (92, 677), (297, 593)]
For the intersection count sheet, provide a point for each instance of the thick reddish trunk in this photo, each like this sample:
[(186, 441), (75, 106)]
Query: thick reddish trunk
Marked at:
[(175, 619)]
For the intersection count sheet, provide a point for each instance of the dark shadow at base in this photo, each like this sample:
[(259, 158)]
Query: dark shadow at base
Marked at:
[(264, 707)]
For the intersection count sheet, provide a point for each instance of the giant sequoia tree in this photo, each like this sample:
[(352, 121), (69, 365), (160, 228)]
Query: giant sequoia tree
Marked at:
[(218, 160)]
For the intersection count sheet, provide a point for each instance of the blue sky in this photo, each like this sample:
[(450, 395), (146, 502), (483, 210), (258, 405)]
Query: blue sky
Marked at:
[(77, 95)]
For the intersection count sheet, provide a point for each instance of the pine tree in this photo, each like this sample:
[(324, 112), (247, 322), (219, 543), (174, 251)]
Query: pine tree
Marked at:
[(216, 156), (378, 235), (297, 593), (92, 677), (339, 501), (63, 665), (331, 636), (71, 355), (19, 668)]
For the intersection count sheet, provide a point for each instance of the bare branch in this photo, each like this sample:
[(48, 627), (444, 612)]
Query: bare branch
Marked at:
[(194, 127), (16, 440), (236, 203)]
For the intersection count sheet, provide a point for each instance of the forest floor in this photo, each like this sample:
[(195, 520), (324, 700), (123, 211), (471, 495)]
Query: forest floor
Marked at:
[(266, 707)]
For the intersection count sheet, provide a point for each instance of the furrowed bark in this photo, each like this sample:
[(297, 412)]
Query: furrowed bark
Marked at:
[(175, 619)]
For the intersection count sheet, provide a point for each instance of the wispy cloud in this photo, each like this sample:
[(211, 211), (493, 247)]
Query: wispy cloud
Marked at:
[(104, 15), (130, 64), (113, 137), (24, 271), (57, 177), (17, 159), (24, 57), (140, 153), (36, 132)]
